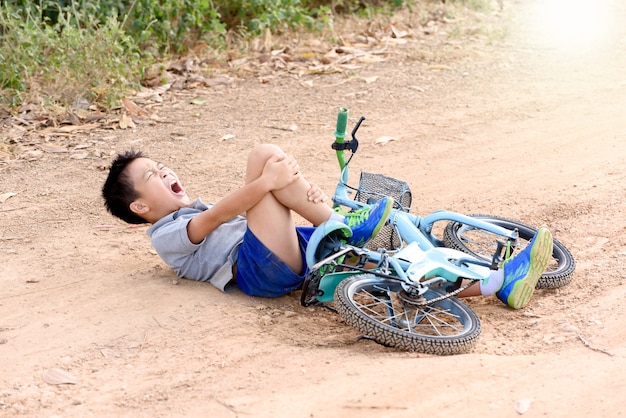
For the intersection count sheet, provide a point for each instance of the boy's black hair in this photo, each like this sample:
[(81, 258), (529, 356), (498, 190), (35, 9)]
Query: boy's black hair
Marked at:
[(118, 190)]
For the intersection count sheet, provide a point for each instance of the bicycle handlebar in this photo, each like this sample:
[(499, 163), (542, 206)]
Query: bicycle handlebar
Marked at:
[(340, 134), (340, 145), (342, 123)]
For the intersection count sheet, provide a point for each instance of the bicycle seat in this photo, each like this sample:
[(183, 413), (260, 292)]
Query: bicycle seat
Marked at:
[(444, 262)]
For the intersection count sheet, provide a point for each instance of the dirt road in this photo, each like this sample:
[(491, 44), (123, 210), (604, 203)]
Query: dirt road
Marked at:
[(526, 126)]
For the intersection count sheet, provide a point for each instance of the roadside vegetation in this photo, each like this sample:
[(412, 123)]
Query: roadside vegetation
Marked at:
[(88, 53)]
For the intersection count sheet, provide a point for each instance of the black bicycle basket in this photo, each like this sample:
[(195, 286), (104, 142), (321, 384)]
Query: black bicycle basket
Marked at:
[(372, 187)]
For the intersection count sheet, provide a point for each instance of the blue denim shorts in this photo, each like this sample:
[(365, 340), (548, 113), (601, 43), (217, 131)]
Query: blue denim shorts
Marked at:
[(261, 273)]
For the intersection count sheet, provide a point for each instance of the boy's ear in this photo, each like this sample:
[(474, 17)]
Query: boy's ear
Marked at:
[(138, 207)]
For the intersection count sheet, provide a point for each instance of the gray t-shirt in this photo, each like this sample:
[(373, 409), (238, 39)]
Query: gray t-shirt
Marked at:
[(212, 259)]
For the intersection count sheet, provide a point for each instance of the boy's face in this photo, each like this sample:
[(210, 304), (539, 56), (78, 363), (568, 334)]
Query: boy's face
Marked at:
[(160, 191)]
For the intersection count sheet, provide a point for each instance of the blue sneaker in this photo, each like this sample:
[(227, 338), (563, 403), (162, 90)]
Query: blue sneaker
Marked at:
[(365, 223), (522, 271)]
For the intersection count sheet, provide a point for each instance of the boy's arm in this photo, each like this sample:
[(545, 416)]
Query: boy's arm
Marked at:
[(277, 173)]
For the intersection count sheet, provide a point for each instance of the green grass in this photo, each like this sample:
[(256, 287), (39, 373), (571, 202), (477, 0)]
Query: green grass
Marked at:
[(69, 51), (72, 60)]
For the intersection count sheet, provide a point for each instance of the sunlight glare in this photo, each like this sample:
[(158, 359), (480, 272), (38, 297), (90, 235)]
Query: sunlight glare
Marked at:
[(573, 24)]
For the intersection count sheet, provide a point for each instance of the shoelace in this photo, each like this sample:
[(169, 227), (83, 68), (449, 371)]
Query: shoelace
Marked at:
[(355, 218)]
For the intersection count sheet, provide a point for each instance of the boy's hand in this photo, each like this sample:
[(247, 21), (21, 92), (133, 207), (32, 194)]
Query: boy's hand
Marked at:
[(315, 194), (281, 171)]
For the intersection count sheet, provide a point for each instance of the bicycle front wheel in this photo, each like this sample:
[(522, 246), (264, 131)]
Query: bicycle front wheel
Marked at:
[(482, 244), (379, 308)]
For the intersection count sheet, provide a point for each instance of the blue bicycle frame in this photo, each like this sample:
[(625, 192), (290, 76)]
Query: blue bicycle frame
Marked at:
[(411, 228), (431, 263)]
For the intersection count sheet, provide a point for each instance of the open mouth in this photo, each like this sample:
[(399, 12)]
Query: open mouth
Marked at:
[(177, 189)]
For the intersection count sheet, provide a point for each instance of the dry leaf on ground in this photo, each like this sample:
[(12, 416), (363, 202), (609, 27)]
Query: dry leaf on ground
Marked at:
[(56, 376), (5, 196)]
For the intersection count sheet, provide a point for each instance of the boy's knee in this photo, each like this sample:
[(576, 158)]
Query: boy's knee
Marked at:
[(258, 157), (265, 151)]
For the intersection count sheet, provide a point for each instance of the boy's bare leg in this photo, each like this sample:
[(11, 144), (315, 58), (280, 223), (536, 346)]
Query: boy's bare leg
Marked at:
[(271, 219), (470, 291)]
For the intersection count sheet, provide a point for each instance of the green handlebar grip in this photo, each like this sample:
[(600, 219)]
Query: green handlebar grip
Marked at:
[(342, 122)]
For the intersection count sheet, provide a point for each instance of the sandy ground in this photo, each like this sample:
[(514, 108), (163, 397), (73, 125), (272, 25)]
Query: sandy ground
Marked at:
[(518, 126)]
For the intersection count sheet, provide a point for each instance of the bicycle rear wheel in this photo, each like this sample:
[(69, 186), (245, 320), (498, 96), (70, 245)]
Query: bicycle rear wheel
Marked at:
[(482, 244), (379, 308)]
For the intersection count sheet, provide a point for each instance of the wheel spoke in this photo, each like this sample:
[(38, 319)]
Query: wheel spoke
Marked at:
[(478, 240), (429, 320), (437, 320), (381, 309), (481, 244)]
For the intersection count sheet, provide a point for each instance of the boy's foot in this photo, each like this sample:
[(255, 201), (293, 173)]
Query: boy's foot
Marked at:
[(522, 271), (365, 223)]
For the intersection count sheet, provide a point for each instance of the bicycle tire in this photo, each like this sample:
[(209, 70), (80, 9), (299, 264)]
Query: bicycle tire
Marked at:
[(482, 244), (375, 307)]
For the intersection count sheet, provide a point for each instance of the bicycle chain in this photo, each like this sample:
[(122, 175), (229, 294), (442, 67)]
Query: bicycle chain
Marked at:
[(446, 296)]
